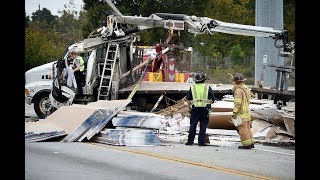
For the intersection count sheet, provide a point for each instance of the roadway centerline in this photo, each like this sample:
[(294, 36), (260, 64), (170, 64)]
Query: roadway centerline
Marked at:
[(225, 170)]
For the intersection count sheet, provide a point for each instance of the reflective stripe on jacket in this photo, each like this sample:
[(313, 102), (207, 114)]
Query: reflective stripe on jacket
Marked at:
[(241, 103), (200, 94)]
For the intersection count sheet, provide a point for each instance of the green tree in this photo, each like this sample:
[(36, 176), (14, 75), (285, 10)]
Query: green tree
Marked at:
[(236, 54), (26, 19), (69, 27), (96, 13), (289, 17), (220, 43), (41, 47), (44, 15)]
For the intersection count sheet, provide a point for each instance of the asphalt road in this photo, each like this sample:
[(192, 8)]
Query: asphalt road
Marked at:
[(55, 161)]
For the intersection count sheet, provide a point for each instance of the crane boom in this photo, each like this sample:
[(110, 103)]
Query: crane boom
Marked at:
[(202, 25)]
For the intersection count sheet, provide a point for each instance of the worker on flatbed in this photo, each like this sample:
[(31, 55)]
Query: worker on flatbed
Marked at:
[(241, 111), (78, 68), (200, 96)]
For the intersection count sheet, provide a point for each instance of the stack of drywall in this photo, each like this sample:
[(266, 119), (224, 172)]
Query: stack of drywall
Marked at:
[(127, 137), (135, 120), (38, 131), (81, 121), (98, 120), (132, 129)]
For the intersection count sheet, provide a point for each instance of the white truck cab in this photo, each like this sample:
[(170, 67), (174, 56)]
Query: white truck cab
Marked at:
[(39, 81), (38, 84)]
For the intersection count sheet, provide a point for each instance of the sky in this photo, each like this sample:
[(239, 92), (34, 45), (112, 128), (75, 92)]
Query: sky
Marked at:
[(53, 5)]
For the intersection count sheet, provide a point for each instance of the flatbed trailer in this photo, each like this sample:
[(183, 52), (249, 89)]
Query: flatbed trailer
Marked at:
[(149, 92)]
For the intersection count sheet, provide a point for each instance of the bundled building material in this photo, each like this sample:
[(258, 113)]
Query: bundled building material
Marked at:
[(142, 121), (35, 131), (34, 137), (127, 137), (76, 120), (96, 122)]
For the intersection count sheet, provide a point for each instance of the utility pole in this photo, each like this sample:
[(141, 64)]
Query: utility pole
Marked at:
[(39, 6), (269, 13)]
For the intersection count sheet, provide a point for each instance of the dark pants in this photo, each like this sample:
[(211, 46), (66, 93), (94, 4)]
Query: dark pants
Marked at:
[(79, 76), (202, 115)]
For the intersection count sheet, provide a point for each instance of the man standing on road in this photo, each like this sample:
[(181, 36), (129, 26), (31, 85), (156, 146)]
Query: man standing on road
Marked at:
[(242, 97), (78, 68), (200, 96)]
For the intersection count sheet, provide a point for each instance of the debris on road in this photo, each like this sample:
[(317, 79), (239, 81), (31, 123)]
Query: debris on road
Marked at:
[(79, 121), (269, 124), (138, 120), (97, 121), (127, 137)]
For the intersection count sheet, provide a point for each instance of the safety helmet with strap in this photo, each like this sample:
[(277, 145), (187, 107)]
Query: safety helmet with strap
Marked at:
[(199, 76), (200, 95)]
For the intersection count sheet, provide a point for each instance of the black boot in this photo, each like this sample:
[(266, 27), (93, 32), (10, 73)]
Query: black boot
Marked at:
[(244, 147), (188, 143), (203, 144), (252, 145)]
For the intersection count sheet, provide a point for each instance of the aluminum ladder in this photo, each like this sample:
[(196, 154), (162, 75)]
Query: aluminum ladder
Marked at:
[(107, 71)]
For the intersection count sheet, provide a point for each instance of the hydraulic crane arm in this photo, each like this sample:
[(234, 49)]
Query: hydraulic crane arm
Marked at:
[(202, 25)]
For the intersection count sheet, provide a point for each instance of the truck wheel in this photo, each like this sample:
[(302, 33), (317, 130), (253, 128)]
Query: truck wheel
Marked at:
[(42, 106)]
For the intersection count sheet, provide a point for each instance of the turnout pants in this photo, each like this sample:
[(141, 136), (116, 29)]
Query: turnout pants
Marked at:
[(202, 115), (245, 133), (79, 76)]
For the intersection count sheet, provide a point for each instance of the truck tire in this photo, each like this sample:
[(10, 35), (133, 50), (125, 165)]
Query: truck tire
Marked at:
[(42, 105)]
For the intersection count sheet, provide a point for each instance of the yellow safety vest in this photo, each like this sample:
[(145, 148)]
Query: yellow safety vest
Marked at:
[(200, 95), (81, 63)]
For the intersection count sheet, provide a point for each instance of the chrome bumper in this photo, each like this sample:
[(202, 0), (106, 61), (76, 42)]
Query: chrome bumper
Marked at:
[(28, 99)]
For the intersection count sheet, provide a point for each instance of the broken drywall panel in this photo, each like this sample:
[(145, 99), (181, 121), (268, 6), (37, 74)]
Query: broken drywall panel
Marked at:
[(259, 125), (289, 124), (270, 115), (40, 131), (69, 118), (262, 134)]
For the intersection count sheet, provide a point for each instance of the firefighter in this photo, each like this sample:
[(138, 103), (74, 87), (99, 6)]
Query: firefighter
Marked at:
[(242, 97), (200, 96), (78, 68)]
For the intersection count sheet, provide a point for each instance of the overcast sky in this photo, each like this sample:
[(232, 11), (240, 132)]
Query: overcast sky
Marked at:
[(53, 5)]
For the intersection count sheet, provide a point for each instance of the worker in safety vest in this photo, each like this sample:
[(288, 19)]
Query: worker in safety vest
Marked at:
[(242, 97), (201, 97), (78, 68)]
